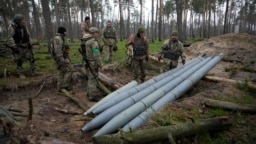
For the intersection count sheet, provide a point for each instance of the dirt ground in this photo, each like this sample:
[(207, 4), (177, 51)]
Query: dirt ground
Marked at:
[(49, 126)]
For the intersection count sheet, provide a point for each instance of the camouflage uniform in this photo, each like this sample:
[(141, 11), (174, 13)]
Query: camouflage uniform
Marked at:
[(139, 60), (19, 39), (84, 28), (129, 48), (109, 39), (62, 62), (94, 60), (176, 47)]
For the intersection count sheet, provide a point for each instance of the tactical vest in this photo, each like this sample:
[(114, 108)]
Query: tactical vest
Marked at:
[(109, 33), (169, 53), (139, 47), (21, 35)]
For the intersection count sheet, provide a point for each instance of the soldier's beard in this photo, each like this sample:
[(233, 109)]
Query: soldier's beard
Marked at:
[(174, 40)]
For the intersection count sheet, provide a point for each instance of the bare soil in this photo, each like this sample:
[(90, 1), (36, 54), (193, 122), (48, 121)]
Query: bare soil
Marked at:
[(52, 127)]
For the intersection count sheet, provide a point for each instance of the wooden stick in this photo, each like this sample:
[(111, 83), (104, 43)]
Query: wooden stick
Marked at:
[(219, 79), (66, 111), (75, 100), (229, 106)]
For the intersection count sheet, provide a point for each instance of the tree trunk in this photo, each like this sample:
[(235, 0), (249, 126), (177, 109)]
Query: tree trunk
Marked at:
[(229, 106), (121, 21), (179, 18), (128, 20), (164, 133), (156, 19), (141, 4), (47, 19), (160, 21), (71, 35), (36, 19), (225, 29), (219, 79), (152, 21), (209, 20), (109, 82), (92, 13)]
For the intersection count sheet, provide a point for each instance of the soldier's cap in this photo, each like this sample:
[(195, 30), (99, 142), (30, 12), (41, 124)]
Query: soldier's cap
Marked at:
[(62, 30), (174, 33), (17, 18), (141, 30), (87, 18), (93, 29)]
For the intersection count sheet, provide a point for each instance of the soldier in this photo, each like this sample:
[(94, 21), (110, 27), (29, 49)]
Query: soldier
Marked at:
[(93, 63), (84, 26), (140, 54), (172, 49), (109, 39), (60, 52), (20, 41)]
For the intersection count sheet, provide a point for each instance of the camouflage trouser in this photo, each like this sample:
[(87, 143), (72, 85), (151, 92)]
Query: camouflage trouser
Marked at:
[(107, 53), (64, 77), (24, 54), (92, 83), (129, 54), (138, 69), (169, 64)]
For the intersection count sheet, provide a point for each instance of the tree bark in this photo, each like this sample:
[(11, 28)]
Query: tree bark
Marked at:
[(229, 106), (179, 18), (159, 134), (109, 82), (36, 19), (160, 21), (121, 20), (219, 79), (152, 21), (92, 12), (225, 29), (75, 100), (47, 19)]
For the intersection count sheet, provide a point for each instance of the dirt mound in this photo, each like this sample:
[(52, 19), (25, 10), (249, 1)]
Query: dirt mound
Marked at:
[(234, 46)]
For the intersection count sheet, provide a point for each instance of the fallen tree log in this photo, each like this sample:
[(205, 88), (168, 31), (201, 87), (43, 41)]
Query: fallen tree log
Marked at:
[(155, 59), (64, 111), (219, 79), (229, 106), (109, 82), (158, 134), (75, 100)]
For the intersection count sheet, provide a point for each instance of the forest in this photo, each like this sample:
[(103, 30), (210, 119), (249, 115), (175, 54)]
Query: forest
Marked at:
[(207, 99), (191, 18)]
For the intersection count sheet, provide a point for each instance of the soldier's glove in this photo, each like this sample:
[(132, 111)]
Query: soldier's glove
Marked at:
[(147, 58), (16, 50), (183, 61), (159, 58)]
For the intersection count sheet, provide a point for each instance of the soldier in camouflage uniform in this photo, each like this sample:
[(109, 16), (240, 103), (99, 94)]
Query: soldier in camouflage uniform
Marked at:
[(84, 26), (93, 63), (109, 39), (172, 49), (140, 54), (60, 52), (19, 39)]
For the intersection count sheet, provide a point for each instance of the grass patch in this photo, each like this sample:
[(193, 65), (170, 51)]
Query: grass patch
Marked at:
[(245, 87)]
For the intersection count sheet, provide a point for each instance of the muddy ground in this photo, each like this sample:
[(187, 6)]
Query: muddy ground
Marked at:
[(50, 126)]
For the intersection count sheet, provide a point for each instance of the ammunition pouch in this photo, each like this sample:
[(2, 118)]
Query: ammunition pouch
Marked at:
[(172, 55), (140, 51)]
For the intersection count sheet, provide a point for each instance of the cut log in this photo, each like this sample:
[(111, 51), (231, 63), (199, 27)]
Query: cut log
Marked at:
[(164, 133), (229, 106), (75, 100), (66, 111), (155, 59), (219, 79), (109, 82)]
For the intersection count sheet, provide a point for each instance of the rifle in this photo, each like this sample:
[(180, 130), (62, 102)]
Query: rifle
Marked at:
[(87, 63)]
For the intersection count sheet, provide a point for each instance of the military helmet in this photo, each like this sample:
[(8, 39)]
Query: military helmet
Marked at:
[(141, 30), (93, 29), (174, 33), (17, 18)]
